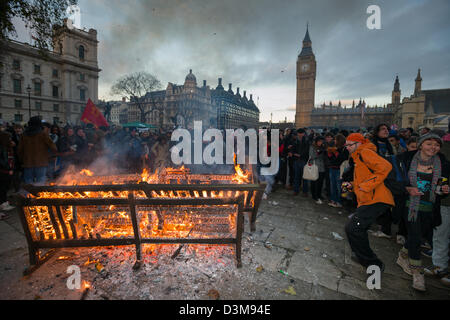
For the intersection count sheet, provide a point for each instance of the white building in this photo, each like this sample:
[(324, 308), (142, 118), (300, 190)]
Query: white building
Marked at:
[(56, 84)]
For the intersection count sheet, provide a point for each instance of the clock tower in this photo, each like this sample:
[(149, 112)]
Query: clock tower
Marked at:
[(306, 82)]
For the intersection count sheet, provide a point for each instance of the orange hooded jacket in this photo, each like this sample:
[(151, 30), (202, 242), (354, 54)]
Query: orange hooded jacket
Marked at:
[(369, 176)]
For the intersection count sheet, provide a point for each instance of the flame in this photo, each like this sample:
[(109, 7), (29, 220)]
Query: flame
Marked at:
[(113, 221), (87, 172), (240, 176)]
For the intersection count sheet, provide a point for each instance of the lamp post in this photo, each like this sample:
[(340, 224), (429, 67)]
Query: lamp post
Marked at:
[(29, 101)]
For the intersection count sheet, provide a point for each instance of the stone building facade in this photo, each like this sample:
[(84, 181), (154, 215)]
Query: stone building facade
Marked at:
[(54, 84), (233, 110), (424, 108), (356, 117), (181, 105)]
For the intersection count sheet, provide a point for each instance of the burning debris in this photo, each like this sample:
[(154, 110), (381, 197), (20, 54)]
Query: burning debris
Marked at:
[(172, 205)]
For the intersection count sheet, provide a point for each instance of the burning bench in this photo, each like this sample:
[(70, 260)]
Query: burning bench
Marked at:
[(59, 216)]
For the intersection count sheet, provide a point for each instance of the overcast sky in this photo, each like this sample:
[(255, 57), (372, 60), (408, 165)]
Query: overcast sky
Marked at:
[(254, 44)]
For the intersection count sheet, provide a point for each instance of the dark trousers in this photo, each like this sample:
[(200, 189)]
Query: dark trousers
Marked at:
[(298, 176), (398, 215), (316, 186), (356, 230), (385, 221), (290, 162), (5, 182), (281, 176), (327, 182), (417, 230)]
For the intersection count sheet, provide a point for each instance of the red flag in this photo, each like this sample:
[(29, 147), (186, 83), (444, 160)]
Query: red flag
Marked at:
[(92, 115)]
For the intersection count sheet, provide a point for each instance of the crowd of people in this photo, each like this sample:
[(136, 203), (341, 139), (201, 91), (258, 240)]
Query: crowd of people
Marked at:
[(362, 171), (42, 152)]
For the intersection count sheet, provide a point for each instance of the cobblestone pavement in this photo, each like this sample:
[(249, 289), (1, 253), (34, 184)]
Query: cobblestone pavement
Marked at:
[(293, 235)]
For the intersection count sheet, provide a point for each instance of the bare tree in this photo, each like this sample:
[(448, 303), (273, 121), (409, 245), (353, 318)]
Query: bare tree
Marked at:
[(136, 85), (41, 17)]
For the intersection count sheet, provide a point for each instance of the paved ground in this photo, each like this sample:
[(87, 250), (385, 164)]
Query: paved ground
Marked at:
[(293, 235)]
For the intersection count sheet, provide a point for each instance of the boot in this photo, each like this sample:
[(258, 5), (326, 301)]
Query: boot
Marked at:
[(403, 262), (418, 279)]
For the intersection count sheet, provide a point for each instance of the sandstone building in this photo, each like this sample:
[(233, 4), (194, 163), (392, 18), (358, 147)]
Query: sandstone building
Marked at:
[(55, 84)]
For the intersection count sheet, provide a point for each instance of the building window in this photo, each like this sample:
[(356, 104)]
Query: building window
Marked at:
[(37, 89), (55, 73), (56, 108), (37, 69), (18, 118), (81, 52), (18, 103), (16, 64), (82, 76), (82, 94), (17, 86), (55, 120), (38, 105), (55, 91)]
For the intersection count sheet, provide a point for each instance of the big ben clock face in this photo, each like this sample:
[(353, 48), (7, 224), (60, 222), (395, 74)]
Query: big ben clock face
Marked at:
[(305, 67)]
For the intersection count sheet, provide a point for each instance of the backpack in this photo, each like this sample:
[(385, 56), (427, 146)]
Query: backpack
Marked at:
[(397, 179)]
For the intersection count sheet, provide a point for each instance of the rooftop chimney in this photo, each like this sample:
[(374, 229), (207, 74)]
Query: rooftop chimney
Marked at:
[(220, 81), (237, 91)]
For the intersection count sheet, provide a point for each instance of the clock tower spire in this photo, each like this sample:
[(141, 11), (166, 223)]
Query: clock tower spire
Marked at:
[(306, 82)]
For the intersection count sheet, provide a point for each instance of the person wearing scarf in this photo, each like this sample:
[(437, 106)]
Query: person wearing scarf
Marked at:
[(425, 167)]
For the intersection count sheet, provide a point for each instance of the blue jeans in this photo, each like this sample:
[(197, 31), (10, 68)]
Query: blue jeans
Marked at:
[(298, 176), (270, 180), (335, 185), (35, 175), (440, 240)]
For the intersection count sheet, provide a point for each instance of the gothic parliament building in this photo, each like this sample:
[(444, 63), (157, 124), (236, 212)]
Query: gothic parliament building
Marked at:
[(425, 108)]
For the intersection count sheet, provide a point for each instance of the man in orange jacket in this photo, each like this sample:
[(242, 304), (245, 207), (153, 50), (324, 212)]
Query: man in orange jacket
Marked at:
[(373, 197)]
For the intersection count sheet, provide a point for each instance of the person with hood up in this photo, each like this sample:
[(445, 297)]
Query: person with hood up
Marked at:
[(33, 152), (373, 197)]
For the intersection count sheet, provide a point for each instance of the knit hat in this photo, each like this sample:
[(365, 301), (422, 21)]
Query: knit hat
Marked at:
[(357, 137), (429, 136)]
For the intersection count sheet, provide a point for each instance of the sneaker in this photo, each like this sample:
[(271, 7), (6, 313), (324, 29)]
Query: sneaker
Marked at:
[(319, 201), (401, 239), (331, 203), (337, 205), (264, 197), (435, 271), (6, 206), (418, 280), (446, 280), (403, 262), (425, 245), (427, 253), (380, 234)]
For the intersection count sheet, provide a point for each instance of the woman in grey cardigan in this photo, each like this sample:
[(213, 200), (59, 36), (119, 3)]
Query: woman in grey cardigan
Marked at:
[(316, 155)]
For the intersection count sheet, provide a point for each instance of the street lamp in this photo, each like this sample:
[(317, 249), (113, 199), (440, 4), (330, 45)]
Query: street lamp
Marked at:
[(29, 101)]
